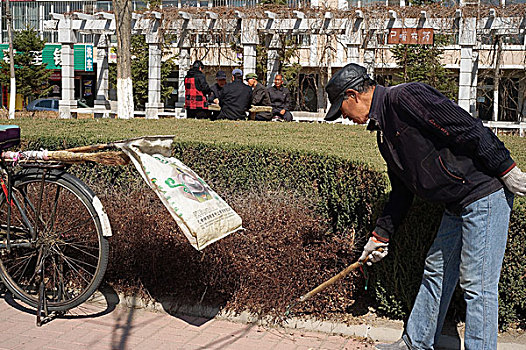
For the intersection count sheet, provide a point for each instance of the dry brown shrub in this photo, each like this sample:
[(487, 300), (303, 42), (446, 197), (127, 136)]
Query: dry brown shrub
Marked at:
[(284, 252)]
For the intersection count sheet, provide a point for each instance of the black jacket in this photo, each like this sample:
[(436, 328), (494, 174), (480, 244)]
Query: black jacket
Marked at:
[(433, 149), (235, 100), (279, 98), (200, 80), (260, 97), (215, 91)]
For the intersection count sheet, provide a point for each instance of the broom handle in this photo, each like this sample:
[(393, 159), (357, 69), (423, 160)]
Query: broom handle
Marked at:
[(334, 279), (106, 158), (90, 148)]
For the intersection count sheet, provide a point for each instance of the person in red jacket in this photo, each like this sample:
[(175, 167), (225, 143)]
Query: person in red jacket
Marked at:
[(436, 150), (196, 90)]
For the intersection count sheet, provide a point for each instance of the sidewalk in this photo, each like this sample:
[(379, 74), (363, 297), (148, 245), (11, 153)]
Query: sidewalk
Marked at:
[(127, 328)]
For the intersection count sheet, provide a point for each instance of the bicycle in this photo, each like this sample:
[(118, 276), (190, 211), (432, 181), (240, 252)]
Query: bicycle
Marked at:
[(53, 232)]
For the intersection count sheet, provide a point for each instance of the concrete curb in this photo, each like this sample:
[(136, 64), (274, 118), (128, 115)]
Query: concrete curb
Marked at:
[(368, 331)]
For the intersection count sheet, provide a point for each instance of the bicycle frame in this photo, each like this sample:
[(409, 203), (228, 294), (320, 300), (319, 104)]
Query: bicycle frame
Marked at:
[(7, 173)]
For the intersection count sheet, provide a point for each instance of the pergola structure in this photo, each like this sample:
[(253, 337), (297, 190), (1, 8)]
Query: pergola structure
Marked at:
[(350, 35)]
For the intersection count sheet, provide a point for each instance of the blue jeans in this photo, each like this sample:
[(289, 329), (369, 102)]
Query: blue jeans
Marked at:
[(468, 247)]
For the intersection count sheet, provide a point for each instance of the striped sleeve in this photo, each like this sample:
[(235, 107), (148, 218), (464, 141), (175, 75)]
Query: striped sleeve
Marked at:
[(456, 127)]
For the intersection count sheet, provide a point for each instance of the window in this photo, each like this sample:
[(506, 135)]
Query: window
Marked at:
[(45, 104)]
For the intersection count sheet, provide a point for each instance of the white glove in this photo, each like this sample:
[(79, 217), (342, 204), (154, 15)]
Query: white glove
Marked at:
[(515, 181), (371, 252)]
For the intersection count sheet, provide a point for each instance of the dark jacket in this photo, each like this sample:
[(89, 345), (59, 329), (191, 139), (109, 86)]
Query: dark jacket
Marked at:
[(279, 98), (433, 149), (196, 89), (235, 100), (215, 91), (260, 97)]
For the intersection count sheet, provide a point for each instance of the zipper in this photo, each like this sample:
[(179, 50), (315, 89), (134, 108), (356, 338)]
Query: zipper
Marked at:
[(449, 172)]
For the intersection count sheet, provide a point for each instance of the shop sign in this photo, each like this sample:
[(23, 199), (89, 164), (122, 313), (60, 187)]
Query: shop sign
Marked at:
[(52, 56), (55, 76), (421, 36), (89, 58)]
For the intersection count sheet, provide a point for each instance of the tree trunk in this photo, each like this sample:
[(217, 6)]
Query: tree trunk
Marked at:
[(12, 82), (123, 20), (496, 77)]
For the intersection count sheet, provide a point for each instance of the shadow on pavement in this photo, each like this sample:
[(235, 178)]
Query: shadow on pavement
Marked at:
[(100, 304)]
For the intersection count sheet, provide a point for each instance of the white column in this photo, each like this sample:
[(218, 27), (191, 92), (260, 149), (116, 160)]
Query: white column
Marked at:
[(249, 58), (468, 66), (154, 104), (464, 78), (67, 101), (101, 103), (249, 40), (474, 83), (273, 59), (184, 66), (67, 37)]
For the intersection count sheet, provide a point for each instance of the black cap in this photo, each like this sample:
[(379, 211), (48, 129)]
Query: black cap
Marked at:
[(198, 64), (220, 74), (350, 76)]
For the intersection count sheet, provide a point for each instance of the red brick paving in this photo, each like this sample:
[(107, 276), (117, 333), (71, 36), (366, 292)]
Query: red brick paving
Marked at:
[(125, 328)]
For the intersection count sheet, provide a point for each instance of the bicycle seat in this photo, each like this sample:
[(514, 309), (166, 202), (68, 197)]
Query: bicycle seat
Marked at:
[(9, 136)]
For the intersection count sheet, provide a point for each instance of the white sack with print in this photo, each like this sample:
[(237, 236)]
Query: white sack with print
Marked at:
[(202, 215)]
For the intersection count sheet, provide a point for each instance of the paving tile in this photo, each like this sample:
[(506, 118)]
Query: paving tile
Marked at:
[(154, 344), (139, 329), (285, 346)]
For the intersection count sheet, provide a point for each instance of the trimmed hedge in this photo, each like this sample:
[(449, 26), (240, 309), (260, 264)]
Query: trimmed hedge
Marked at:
[(307, 216)]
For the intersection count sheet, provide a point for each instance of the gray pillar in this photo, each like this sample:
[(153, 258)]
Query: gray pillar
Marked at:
[(249, 40), (184, 66), (67, 37), (102, 104), (273, 59), (468, 65), (249, 58), (154, 105), (369, 59), (465, 77), (67, 101)]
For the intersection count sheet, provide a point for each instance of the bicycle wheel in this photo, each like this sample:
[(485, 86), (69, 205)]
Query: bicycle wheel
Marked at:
[(69, 254)]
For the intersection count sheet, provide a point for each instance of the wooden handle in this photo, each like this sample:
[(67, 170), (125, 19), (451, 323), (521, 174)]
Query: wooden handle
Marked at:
[(335, 278), (105, 158), (90, 148), (331, 281)]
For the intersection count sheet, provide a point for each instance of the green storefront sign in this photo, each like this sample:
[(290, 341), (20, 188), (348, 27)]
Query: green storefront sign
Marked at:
[(82, 56)]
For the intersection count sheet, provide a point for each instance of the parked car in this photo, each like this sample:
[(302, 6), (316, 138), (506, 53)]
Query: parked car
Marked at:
[(43, 104), (50, 104)]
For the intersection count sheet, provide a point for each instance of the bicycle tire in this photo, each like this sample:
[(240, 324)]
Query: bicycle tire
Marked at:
[(70, 245)]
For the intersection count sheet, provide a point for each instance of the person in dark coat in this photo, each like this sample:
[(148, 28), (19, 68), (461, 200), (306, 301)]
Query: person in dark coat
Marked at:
[(280, 100), (196, 90), (213, 97), (437, 151), (260, 96), (235, 98)]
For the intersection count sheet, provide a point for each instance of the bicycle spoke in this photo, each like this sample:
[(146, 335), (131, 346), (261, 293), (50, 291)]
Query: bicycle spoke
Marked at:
[(24, 263), (51, 222), (73, 267), (78, 262), (84, 222), (76, 246)]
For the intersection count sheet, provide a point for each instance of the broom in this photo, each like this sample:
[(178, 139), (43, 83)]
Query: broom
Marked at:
[(326, 284), (105, 158)]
